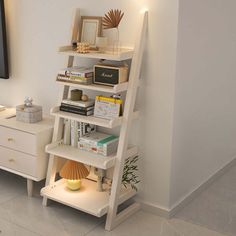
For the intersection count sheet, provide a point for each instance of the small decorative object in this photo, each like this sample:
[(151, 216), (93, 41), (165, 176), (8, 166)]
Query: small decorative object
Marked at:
[(129, 176), (101, 43), (100, 174), (107, 108), (28, 102), (76, 94), (84, 98), (73, 172), (74, 44), (110, 74), (90, 28), (83, 47), (108, 184), (111, 20), (28, 112)]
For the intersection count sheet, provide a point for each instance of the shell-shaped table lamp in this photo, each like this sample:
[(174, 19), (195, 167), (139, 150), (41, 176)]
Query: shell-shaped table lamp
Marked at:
[(73, 172)]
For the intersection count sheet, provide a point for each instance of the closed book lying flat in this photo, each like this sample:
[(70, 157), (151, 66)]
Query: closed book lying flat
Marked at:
[(77, 71), (88, 103), (76, 80), (76, 111), (77, 107)]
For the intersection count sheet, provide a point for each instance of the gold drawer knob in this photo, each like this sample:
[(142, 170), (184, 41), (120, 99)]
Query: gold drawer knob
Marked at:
[(10, 139), (11, 160)]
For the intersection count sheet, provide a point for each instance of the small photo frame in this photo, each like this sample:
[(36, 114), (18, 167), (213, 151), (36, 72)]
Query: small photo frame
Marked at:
[(90, 28)]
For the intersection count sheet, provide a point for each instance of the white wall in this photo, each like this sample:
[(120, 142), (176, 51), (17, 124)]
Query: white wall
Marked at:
[(205, 111), (37, 28)]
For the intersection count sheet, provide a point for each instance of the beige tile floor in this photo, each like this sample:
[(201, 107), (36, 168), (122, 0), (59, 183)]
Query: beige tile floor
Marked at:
[(215, 208), (23, 216)]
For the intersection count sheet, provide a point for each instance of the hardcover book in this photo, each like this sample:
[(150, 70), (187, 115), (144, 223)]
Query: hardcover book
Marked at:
[(77, 71), (76, 110), (75, 79), (88, 103)]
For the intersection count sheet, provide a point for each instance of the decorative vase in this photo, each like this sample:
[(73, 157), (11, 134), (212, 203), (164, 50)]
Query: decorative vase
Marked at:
[(116, 41)]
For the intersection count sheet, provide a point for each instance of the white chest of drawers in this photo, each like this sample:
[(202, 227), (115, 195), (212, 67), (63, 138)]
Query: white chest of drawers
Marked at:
[(22, 148)]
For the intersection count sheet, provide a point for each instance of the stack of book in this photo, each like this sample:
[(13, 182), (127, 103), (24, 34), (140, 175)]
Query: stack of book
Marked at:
[(99, 143), (78, 107), (80, 75)]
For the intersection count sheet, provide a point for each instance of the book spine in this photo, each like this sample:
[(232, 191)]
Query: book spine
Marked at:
[(75, 111), (74, 133), (85, 81), (69, 72), (75, 73), (69, 80), (77, 107), (89, 143), (79, 74), (67, 132), (76, 77), (80, 131), (69, 102)]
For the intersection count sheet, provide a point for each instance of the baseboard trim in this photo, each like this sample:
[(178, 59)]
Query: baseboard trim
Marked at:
[(154, 209), (168, 213)]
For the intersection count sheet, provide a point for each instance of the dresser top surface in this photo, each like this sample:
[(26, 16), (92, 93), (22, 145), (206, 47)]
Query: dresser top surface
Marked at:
[(8, 112), (8, 120)]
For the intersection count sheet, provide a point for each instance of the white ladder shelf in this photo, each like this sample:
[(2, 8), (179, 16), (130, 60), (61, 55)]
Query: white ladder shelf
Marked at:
[(88, 199)]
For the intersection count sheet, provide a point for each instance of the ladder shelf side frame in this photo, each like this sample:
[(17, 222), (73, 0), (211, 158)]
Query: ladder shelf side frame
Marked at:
[(113, 219), (59, 122)]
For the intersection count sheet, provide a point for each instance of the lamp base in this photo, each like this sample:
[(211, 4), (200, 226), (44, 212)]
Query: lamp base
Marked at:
[(73, 185)]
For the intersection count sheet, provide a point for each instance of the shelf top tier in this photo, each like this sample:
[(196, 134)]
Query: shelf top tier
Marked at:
[(124, 54)]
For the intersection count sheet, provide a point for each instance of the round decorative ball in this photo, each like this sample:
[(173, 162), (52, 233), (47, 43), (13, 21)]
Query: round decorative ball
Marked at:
[(84, 98)]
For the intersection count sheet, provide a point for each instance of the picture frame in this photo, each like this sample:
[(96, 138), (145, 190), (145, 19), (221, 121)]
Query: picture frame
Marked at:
[(90, 28)]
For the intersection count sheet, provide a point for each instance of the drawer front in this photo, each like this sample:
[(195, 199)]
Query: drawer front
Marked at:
[(21, 162), (18, 140)]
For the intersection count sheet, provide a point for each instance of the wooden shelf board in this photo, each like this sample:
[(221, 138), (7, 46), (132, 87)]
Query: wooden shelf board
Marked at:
[(87, 119), (100, 88), (87, 199), (88, 158), (124, 54)]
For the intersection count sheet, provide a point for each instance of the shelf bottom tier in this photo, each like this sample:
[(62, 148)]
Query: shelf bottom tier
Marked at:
[(87, 199)]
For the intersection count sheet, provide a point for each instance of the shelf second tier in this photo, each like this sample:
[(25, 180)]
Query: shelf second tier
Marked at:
[(95, 87), (111, 123), (88, 158)]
